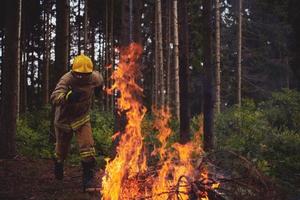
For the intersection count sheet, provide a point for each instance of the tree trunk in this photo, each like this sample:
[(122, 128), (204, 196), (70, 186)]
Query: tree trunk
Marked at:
[(169, 55), (184, 73), (85, 25), (287, 72), (23, 81), (136, 20), (156, 70), (101, 40), (107, 55), (176, 60), (112, 50), (218, 59), (10, 79), (1, 65), (207, 79), (62, 40), (92, 50), (125, 38), (159, 60), (19, 24), (78, 26), (239, 56), (45, 70)]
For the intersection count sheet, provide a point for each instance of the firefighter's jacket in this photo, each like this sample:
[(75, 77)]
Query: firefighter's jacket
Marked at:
[(71, 116)]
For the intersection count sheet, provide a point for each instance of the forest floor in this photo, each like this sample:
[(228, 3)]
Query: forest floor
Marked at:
[(32, 179)]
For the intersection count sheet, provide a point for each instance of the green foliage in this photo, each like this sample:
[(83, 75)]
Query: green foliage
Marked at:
[(242, 129), (174, 137), (33, 135), (267, 134), (283, 110), (103, 130)]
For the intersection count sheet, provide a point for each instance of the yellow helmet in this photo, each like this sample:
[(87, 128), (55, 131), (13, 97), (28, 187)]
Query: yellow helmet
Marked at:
[(82, 64)]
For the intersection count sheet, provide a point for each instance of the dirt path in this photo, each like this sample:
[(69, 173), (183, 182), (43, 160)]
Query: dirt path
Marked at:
[(23, 178)]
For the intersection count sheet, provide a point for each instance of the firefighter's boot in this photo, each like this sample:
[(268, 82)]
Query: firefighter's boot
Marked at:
[(88, 180), (58, 169)]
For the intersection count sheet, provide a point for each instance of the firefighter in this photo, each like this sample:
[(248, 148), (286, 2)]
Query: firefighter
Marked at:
[(72, 100)]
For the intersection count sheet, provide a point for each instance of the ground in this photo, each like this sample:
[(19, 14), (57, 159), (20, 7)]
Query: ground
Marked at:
[(32, 179)]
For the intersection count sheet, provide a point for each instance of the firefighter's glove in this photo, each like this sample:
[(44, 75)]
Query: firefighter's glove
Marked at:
[(73, 96)]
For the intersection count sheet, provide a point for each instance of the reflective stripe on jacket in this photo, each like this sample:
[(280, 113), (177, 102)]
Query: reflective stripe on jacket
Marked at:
[(73, 115)]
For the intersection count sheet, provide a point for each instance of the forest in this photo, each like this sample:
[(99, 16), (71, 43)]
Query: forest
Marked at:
[(150, 99)]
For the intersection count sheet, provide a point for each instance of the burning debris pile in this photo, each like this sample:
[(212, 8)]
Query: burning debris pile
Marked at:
[(183, 171)]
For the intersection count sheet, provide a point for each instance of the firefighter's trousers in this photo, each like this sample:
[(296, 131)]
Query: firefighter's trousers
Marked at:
[(84, 139)]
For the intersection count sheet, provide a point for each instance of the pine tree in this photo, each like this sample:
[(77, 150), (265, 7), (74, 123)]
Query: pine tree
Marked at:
[(176, 60), (207, 79), (184, 73), (239, 56), (62, 38), (218, 58), (46, 62), (10, 79)]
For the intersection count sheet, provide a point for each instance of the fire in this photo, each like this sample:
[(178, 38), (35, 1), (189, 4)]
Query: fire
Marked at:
[(129, 160), (176, 162), (126, 175)]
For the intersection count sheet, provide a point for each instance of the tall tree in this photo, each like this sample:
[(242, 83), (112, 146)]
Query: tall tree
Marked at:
[(86, 26), (61, 48), (112, 48), (62, 38), (239, 55), (176, 60), (169, 54), (159, 64), (46, 62), (10, 79), (125, 34), (184, 72), (218, 57), (208, 107), (79, 19)]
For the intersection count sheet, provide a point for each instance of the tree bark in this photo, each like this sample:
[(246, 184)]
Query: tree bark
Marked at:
[(169, 55), (45, 70), (112, 50), (19, 57), (161, 85), (1, 65), (86, 27), (207, 79), (23, 81), (125, 38), (239, 56), (176, 60), (78, 26), (184, 73), (218, 59), (156, 70), (107, 54), (62, 38), (10, 79)]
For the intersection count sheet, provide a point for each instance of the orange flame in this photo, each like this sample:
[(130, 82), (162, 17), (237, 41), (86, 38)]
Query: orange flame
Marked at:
[(121, 180), (176, 164), (129, 160)]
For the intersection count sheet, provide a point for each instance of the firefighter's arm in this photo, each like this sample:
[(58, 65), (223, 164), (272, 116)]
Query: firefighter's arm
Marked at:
[(97, 79), (98, 83), (58, 96)]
